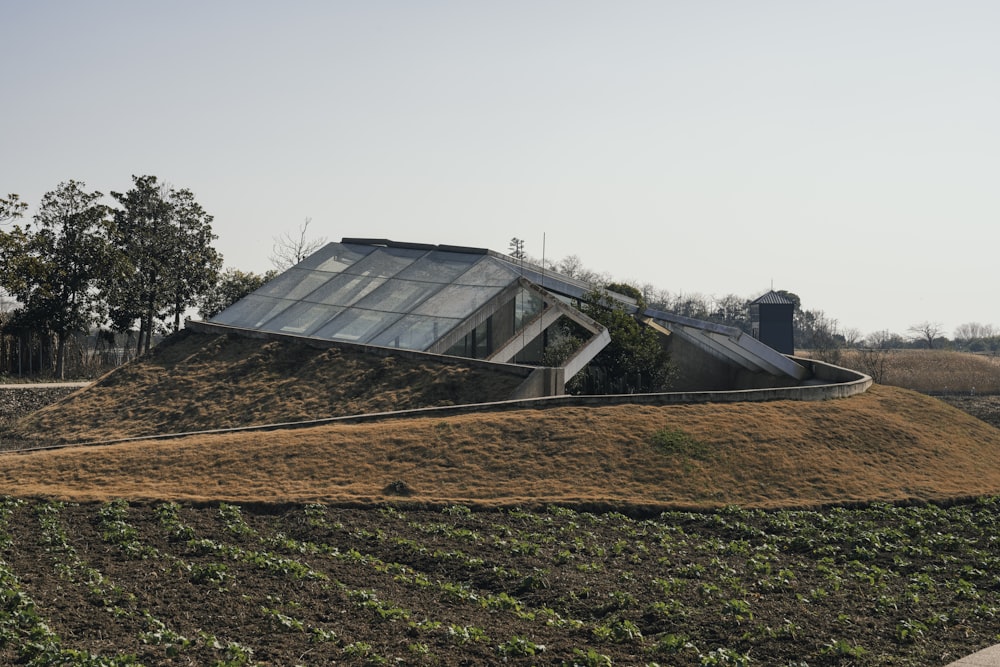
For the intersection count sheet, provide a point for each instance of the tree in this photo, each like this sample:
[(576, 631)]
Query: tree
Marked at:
[(232, 286), (926, 331), (631, 291), (791, 296), (852, 337), (634, 361), (516, 248), (691, 305), (165, 262), (876, 352), (883, 340), (813, 330), (974, 335), (572, 267), (12, 207), (53, 266), (733, 311), (289, 250), (192, 229)]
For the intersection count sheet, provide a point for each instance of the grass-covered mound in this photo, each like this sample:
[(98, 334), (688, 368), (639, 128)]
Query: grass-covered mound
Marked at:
[(194, 382), (887, 444)]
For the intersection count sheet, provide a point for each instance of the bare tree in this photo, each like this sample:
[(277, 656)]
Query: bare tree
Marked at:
[(874, 356), (974, 330), (927, 331), (289, 250), (573, 266), (852, 337)]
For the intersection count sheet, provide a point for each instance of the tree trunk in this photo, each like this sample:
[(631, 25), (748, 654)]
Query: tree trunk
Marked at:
[(149, 331), (177, 316), (60, 355), (147, 324), (142, 331)]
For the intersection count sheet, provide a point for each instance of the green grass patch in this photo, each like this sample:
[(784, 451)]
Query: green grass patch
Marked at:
[(675, 442)]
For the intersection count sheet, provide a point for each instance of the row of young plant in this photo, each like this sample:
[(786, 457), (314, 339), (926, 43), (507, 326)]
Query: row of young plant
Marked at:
[(729, 587), (926, 569), (282, 612)]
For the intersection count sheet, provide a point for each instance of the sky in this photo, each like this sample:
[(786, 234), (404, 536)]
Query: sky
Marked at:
[(845, 151)]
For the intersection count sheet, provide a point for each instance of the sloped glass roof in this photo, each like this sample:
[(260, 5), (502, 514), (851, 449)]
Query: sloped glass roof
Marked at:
[(393, 296), (410, 296)]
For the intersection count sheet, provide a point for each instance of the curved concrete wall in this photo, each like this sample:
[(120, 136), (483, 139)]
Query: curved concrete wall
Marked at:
[(828, 382)]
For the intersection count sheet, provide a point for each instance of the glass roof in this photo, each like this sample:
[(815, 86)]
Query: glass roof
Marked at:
[(377, 292), (406, 297)]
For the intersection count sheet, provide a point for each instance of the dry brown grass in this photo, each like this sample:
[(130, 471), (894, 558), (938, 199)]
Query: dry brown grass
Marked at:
[(888, 444), (195, 382), (936, 371)]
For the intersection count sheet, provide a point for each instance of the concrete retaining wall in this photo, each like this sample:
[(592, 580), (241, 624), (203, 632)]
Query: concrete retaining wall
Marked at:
[(829, 382), (542, 384)]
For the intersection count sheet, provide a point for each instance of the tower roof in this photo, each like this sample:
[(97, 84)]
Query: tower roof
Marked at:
[(772, 297)]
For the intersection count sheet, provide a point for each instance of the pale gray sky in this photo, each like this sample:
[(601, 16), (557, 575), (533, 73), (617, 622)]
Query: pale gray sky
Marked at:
[(846, 151)]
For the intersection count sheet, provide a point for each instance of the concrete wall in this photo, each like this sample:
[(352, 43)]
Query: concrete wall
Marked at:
[(853, 383), (697, 370), (543, 381), (828, 382), (720, 382)]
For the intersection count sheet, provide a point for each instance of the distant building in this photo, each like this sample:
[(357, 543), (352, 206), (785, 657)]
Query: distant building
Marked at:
[(771, 321)]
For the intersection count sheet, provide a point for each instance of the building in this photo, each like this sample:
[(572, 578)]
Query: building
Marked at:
[(478, 304), (772, 321)]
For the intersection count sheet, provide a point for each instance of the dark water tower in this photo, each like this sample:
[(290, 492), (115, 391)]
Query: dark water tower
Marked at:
[(771, 321)]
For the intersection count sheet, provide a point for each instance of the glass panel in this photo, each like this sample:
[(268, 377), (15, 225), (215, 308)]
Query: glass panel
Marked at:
[(345, 289), (303, 318), (385, 262), (294, 284), (462, 348), (481, 339), (457, 300), (252, 311), (356, 325), (335, 257), (488, 271), (398, 296), (415, 333), (439, 267), (529, 304)]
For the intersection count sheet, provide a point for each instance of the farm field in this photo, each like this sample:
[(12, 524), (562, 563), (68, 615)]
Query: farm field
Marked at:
[(177, 584), (711, 534)]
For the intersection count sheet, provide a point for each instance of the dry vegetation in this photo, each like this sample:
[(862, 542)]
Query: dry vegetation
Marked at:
[(934, 371), (355, 543), (887, 444), (194, 382)]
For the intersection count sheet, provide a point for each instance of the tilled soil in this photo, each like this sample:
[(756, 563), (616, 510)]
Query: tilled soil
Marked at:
[(19, 402), (166, 584), (986, 408)]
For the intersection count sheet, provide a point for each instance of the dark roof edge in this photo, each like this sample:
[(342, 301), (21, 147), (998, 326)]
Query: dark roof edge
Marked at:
[(415, 246)]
